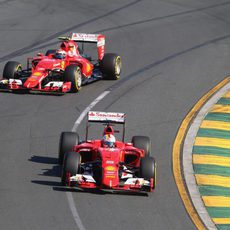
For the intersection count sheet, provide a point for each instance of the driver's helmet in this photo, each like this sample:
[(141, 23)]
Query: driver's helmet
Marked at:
[(72, 45), (108, 141), (60, 54)]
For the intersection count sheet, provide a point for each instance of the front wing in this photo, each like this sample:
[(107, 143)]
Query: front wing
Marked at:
[(130, 184), (16, 85)]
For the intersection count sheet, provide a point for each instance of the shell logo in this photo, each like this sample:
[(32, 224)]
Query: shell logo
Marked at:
[(88, 67), (37, 74), (62, 64), (110, 168)]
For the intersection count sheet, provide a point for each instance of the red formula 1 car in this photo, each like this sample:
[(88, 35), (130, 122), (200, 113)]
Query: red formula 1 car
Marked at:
[(107, 163), (63, 70)]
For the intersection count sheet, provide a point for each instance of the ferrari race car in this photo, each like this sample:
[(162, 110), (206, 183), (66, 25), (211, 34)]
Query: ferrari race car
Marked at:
[(63, 70), (107, 163)]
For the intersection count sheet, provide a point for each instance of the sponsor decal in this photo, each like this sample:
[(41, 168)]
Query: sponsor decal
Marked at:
[(88, 67), (15, 81), (102, 116), (54, 84), (137, 181), (101, 42), (110, 168), (62, 64), (109, 162), (111, 149), (37, 74), (40, 69), (84, 37), (110, 176)]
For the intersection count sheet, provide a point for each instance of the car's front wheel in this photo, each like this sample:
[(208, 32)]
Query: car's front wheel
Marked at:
[(71, 166), (73, 74), (12, 70), (148, 169)]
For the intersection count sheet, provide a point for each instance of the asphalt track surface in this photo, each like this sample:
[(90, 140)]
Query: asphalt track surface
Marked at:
[(173, 52)]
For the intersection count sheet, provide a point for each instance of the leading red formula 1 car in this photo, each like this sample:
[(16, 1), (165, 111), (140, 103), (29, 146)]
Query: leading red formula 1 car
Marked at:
[(63, 70), (107, 163)]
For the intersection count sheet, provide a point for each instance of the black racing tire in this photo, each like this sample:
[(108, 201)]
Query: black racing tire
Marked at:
[(66, 143), (12, 70), (71, 166), (48, 52), (142, 142), (73, 74), (111, 66), (148, 168)]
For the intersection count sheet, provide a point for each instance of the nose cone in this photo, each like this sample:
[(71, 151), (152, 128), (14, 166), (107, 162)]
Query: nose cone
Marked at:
[(34, 80)]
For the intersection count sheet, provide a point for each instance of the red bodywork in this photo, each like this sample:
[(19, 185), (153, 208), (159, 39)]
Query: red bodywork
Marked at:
[(39, 67), (110, 159), (107, 163)]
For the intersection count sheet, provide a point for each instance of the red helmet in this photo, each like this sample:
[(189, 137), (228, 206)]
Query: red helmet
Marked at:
[(108, 130), (72, 45)]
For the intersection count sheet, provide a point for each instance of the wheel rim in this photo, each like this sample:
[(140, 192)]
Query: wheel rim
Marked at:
[(118, 66), (78, 79), (17, 69)]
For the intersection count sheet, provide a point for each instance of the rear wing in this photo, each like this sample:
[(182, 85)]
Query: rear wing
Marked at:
[(106, 117), (92, 38)]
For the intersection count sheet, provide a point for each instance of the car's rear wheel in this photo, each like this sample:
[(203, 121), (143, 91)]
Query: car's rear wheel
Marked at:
[(66, 143), (148, 169), (71, 166), (12, 70), (73, 74), (142, 142), (111, 66)]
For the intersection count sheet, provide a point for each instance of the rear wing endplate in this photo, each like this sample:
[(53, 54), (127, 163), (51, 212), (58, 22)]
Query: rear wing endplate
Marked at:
[(94, 38)]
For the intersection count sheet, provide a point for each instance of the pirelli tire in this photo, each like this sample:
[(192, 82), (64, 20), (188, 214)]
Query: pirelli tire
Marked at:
[(148, 169), (12, 70), (142, 142), (73, 74), (66, 143), (111, 66), (70, 167)]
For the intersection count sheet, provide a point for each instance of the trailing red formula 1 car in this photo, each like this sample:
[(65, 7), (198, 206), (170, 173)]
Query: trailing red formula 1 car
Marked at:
[(107, 163), (63, 70)]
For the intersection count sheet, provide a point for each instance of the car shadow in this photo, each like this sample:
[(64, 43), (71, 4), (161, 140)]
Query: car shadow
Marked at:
[(98, 191), (54, 171)]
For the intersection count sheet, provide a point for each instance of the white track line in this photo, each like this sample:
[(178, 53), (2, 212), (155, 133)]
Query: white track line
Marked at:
[(71, 203)]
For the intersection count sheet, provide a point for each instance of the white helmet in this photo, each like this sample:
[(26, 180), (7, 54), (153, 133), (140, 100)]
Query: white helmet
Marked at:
[(108, 141)]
